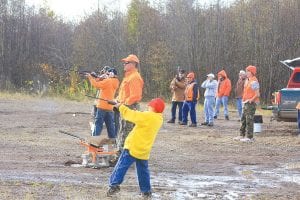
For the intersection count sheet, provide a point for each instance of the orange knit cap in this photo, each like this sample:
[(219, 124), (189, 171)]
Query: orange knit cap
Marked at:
[(158, 104)]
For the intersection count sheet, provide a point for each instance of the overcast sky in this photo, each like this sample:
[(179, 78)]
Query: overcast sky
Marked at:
[(75, 9)]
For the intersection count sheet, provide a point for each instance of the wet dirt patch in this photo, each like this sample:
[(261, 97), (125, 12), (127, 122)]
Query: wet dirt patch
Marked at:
[(185, 163)]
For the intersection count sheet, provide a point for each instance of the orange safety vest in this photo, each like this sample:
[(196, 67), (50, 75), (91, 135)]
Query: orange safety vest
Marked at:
[(249, 93), (189, 94)]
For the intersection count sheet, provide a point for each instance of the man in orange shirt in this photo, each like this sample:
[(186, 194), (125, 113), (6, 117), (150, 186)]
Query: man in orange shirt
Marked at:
[(130, 94), (104, 113)]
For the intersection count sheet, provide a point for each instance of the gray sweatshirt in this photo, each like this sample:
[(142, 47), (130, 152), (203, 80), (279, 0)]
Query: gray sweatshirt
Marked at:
[(210, 87)]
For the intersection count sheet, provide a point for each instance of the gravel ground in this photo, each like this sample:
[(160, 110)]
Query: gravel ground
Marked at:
[(186, 163)]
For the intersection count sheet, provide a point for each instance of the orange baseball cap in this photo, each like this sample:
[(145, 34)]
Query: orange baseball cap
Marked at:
[(251, 69), (131, 58), (158, 104), (191, 75)]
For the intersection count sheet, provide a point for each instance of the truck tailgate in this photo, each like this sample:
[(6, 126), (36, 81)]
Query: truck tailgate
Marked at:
[(289, 98)]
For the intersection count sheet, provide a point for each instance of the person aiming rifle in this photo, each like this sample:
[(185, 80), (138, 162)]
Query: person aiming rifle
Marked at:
[(102, 74), (104, 111)]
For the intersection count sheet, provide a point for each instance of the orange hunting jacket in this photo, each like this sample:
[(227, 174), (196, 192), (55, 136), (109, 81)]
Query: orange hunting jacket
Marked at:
[(108, 89), (224, 87), (131, 88)]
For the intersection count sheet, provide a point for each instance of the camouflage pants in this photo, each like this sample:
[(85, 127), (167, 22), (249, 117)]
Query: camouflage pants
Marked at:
[(125, 128), (247, 120)]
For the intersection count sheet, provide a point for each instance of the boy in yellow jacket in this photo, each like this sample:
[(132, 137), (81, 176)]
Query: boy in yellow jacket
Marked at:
[(138, 145)]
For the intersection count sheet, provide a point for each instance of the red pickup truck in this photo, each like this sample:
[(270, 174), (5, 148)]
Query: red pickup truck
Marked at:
[(286, 99)]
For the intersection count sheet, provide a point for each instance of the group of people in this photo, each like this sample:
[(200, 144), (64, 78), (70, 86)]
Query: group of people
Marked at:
[(185, 94), (136, 131)]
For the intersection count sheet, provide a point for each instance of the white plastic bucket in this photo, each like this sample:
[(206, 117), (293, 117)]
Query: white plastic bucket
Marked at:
[(257, 127), (258, 120)]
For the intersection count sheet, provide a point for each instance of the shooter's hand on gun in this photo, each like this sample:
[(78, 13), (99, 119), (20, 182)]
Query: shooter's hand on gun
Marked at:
[(94, 74), (88, 73), (115, 103)]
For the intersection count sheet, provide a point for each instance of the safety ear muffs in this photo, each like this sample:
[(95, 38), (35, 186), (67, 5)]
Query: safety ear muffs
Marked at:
[(111, 74)]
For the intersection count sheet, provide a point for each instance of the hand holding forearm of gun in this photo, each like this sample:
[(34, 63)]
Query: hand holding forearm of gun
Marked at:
[(115, 103)]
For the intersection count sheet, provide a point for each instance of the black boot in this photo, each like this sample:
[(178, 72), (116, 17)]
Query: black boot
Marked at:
[(113, 190)]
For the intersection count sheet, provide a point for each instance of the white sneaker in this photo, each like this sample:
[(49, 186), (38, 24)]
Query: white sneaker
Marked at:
[(247, 140), (238, 138)]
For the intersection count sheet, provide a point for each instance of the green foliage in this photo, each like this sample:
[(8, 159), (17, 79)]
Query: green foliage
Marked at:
[(132, 22), (35, 44), (70, 86), (159, 58)]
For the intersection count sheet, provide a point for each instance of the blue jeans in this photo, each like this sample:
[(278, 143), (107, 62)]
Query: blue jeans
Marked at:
[(173, 109), (239, 106), (209, 103), (123, 164), (189, 106), (221, 100), (107, 117)]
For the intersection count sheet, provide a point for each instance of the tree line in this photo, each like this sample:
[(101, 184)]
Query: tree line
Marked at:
[(39, 50)]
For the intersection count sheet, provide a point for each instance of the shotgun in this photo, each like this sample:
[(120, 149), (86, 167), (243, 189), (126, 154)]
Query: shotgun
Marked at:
[(77, 137)]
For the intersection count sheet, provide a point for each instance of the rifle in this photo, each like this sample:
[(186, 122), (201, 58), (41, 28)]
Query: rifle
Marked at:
[(93, 74), (96, 74)]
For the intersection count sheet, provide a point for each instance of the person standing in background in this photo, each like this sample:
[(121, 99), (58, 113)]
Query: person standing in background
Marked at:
[(190, 102), (250, 100), (239, 90), (177, 87), (210, 86), (223, 93)]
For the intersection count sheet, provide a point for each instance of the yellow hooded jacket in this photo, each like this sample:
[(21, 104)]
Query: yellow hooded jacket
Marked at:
[(140, 140)]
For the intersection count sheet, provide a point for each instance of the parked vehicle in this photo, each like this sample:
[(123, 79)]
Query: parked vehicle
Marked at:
[(285, 100)]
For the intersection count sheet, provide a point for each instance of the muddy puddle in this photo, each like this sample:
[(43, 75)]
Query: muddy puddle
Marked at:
[(248, 180)]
